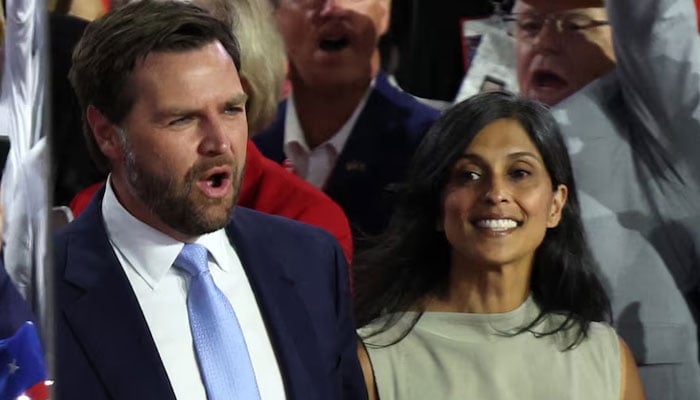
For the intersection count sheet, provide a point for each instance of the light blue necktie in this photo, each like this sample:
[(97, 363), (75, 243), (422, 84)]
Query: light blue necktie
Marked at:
[(218, 341)]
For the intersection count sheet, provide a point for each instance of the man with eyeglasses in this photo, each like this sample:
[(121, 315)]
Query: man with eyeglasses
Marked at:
[(344, 128), (561, 46), (632, 120)]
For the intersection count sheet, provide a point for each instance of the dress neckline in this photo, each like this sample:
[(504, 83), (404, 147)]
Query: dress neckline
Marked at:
[(453, 324)]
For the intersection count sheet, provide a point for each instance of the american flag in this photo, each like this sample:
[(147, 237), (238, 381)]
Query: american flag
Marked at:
[(23, 373)]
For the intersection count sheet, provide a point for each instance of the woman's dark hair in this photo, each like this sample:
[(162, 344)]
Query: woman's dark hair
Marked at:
[(411, 259)]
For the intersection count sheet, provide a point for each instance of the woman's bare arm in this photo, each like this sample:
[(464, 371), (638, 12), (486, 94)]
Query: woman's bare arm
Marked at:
[(631, 383), (367, 371)]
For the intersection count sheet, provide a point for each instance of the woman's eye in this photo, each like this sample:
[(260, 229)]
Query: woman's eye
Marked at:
[(520, 173), (469, 176)]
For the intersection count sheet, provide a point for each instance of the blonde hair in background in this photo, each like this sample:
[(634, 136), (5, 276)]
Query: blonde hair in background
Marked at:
[(263, 56), (88, 10), (263, 59)]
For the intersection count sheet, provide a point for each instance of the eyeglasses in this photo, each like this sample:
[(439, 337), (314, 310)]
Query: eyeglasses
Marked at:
[(318, 3), (529, 25)]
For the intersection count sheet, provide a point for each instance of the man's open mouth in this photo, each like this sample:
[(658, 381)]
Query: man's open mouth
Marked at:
[(548, 79), (216, 180), (334, 44), (216, 183)]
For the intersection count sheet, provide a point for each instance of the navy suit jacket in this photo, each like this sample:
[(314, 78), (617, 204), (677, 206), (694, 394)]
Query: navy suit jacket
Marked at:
[(376, 154), (298, 274)]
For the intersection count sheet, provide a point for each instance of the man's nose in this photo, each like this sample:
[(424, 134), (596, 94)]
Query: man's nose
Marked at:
[(331, 7), (549, 38), (215, 138)]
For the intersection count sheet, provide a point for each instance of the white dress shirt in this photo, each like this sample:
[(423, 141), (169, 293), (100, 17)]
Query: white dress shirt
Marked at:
[(315, 165), (147, 256)]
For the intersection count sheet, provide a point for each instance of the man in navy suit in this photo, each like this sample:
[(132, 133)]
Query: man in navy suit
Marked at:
[(345, 128), (165, 114)]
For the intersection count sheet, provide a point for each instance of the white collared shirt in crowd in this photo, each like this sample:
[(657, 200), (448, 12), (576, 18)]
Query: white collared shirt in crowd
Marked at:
[(315, 165), (147, 256)]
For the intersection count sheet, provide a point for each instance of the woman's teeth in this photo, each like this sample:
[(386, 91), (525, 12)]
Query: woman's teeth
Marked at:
[(497, 224)]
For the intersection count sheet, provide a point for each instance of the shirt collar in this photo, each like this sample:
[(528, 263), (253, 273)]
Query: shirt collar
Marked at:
[(148, 251), (294, 135)]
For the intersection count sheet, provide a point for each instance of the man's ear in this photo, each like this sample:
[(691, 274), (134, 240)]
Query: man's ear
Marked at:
[(105, 132), (558, 202)]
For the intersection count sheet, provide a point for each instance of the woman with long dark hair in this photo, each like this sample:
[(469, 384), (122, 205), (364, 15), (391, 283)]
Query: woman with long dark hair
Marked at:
[(483, 285)]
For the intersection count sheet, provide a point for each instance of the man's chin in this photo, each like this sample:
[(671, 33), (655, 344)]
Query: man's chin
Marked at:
[(549, 96), (196, 218), (207, 214), (201, 224), (215, 217)]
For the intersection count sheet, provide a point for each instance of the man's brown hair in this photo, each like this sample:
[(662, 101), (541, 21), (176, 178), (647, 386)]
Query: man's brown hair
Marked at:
[(112, 45)]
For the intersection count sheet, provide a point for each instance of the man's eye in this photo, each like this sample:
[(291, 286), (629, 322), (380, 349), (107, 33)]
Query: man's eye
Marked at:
[(576, 22), (573, 26), (233, 110), (530, 25), (180, 121)]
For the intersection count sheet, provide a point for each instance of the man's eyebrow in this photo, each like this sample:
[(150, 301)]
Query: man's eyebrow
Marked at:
[(173, 111), (240, 98), (235, 100)]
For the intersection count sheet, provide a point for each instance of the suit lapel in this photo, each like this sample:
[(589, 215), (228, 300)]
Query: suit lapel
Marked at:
[(378, 144), (283, 311), (361, 149), (106, 317)]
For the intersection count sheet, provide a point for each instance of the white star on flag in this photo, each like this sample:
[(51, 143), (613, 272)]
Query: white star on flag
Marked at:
[(13, 367)]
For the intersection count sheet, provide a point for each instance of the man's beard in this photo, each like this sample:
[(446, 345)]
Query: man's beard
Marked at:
[(179, 204)]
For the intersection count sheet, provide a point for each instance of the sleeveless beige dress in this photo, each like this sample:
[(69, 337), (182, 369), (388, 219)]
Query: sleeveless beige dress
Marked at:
[(449, 356)]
